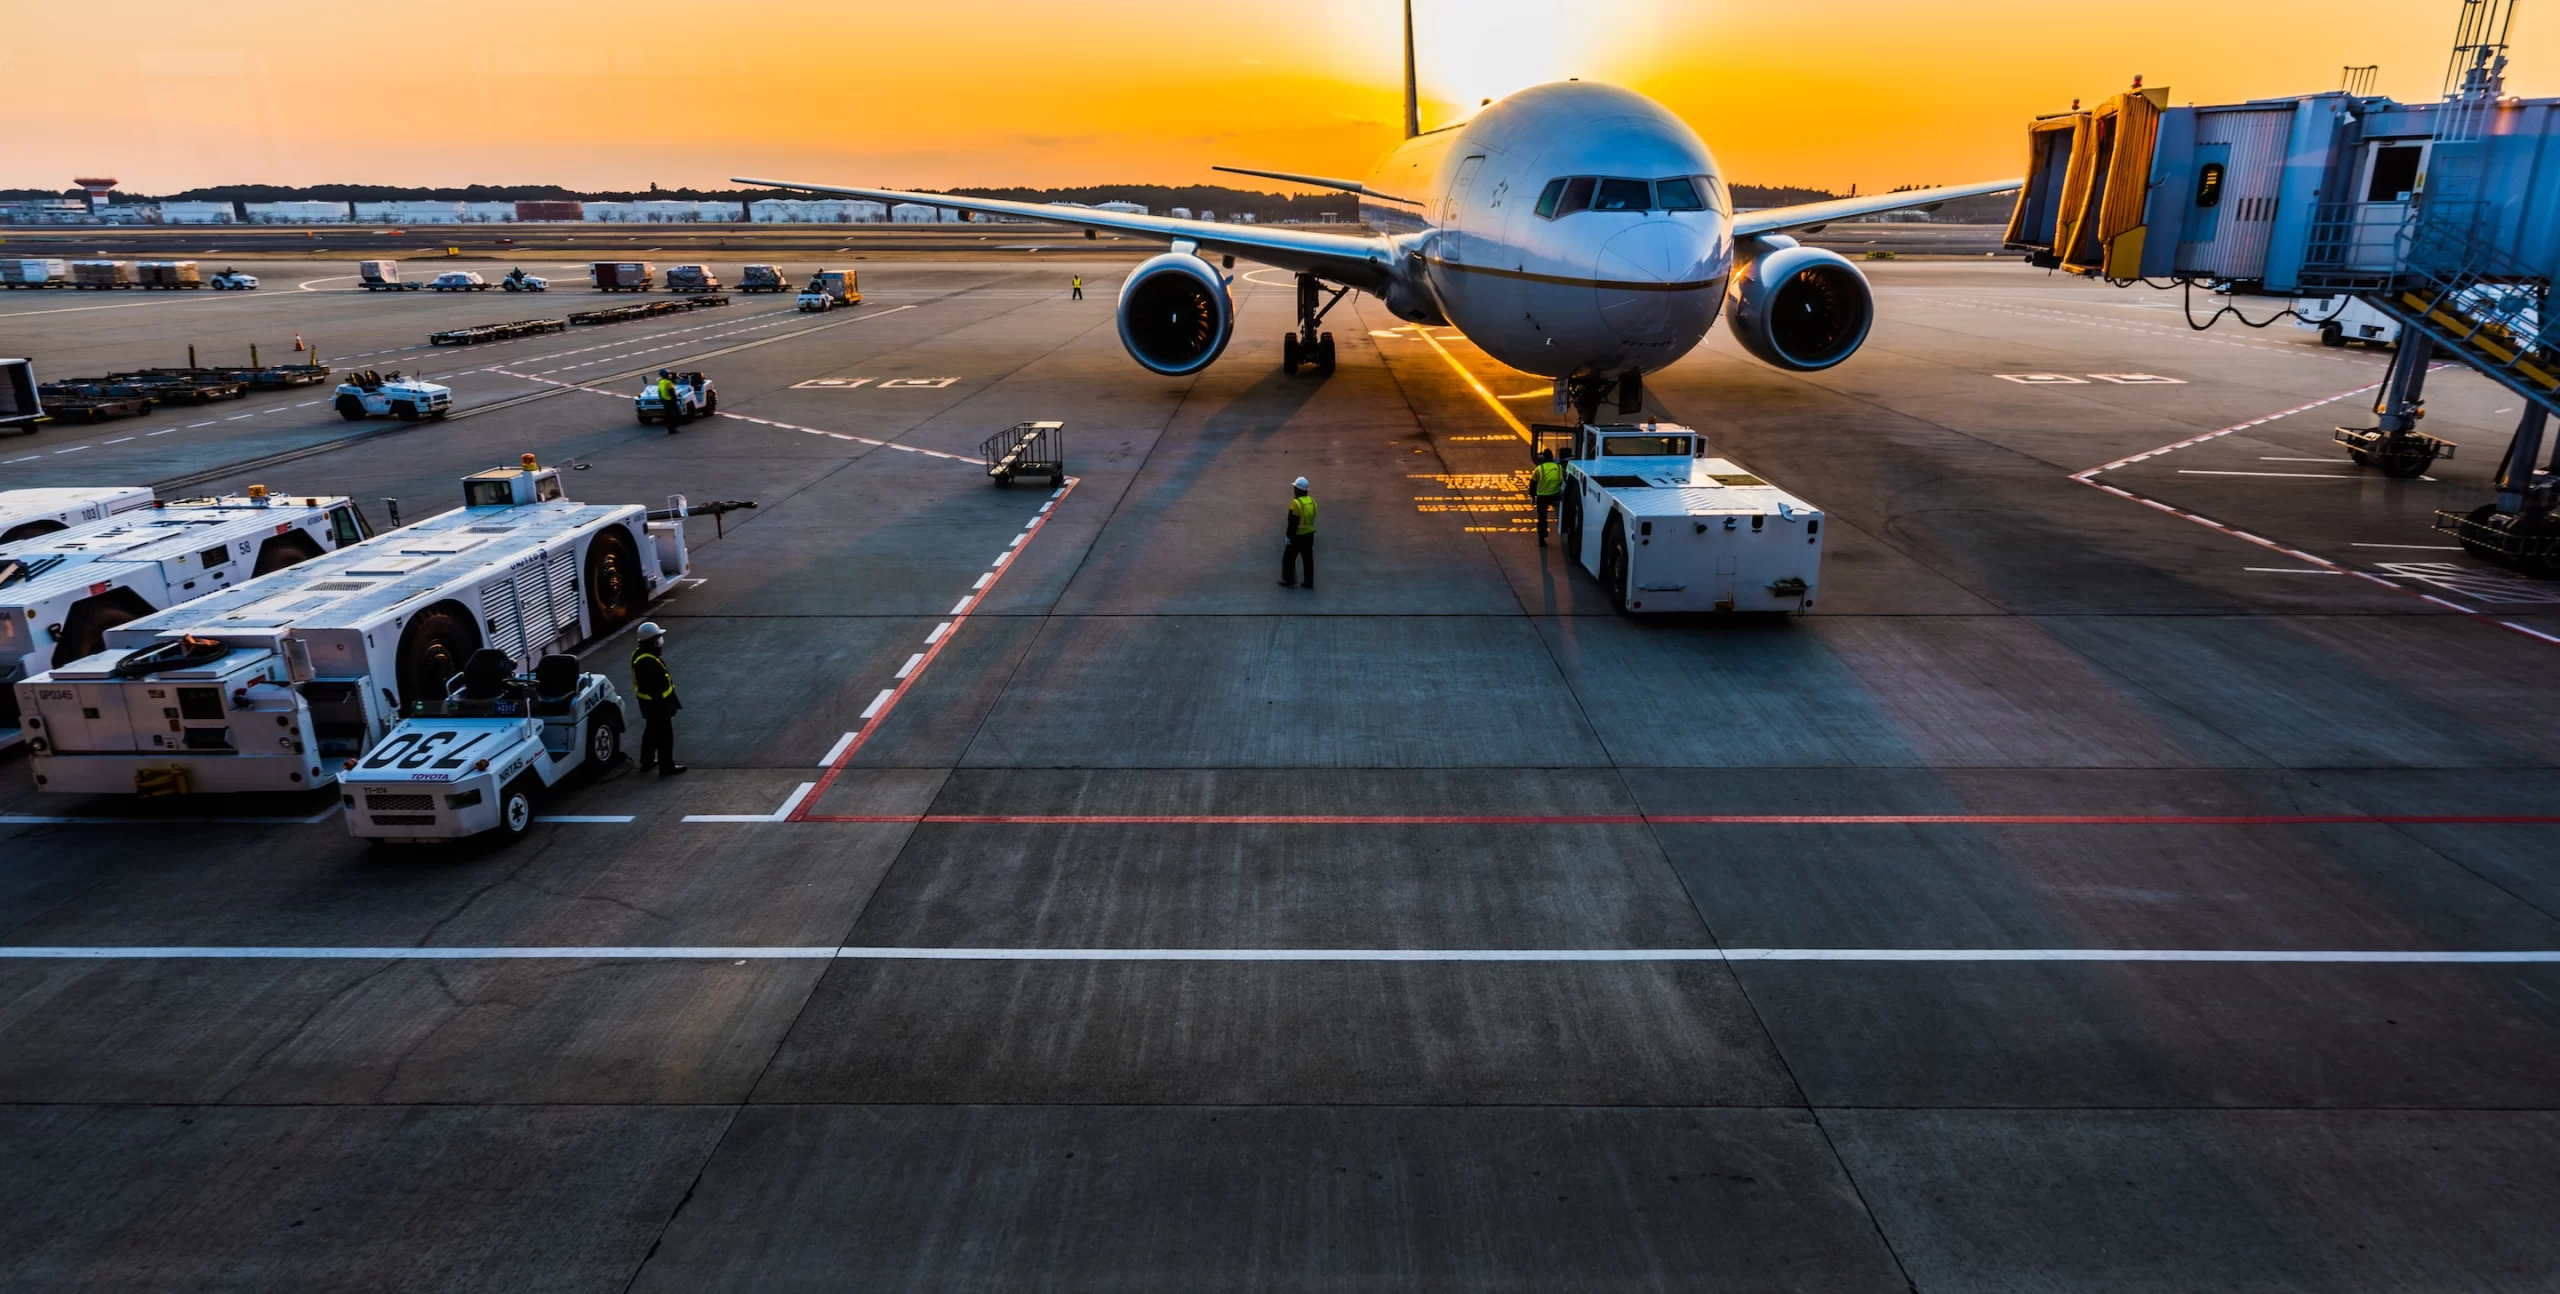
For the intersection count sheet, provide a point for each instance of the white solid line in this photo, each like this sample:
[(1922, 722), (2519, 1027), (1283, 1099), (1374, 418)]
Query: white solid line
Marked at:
[(696, 952), (2290, 570), (836, 751), (878, 701), (2299, 476), (582, 817), (2429, 548), (960, 606), (910, 666), (2535, 632), (729, 817), (938, 631)]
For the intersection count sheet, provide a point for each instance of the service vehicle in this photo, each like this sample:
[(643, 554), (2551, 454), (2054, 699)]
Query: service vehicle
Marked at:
[(170, 275), (695, 398), (814, 300), (35, 273), (2343, 319), (273, 684), (1664, 527), (25, 514), (476, 759), (692, 278), (21, 397), (762, 278), (383, 276), (622, 276), (231, 280), (60, 592), (841, 287), (459, 281), (519, 281), (370, 394)]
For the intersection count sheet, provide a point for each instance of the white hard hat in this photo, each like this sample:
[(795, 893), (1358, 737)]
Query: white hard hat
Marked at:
[(650, 629), (1301, 483)]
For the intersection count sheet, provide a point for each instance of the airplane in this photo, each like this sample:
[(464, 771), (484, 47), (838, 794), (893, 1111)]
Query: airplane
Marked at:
[(1575, 230)]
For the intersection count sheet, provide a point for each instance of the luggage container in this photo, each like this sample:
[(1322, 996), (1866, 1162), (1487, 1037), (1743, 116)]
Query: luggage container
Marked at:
[(622, 276), (101, 274), (35, 273), (762, 278), (382, 276), (25, 514), (21, 402), (60, 592), (276, 683), (169, 275), (1665, 528), (692, 278)]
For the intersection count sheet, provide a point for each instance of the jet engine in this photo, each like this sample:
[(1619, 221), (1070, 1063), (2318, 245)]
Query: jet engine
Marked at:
[(1798, 308), (1175, 314)]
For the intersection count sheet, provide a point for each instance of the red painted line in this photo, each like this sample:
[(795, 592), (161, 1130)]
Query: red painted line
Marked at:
[(932, 652), (1690, 819)]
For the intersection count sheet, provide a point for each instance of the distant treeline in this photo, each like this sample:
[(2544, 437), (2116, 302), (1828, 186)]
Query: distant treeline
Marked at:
[(1154, 197)]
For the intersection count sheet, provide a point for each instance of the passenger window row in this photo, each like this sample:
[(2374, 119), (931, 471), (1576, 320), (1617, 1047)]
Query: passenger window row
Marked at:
[(1600, 193)]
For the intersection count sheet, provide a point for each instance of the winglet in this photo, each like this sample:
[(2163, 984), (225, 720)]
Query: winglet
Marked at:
[(1412, 94)]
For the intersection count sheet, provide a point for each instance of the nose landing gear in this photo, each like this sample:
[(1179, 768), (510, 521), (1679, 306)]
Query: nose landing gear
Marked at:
[(1307, 346), (1587, 392)]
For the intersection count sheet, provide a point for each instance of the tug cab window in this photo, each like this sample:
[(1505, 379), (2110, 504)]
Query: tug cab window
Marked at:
[(1644, 447)]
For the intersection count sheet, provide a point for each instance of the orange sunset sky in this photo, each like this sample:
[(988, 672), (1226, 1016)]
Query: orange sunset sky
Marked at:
[(930, 93)]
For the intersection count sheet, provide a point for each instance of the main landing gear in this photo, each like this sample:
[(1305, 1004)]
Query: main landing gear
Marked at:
[(1307, 346), (1587, 392)]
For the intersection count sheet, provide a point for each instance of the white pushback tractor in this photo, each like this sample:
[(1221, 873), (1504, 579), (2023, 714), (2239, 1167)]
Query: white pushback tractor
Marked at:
[(475, 759), (274, 684), (25, 514), (1666, 528), (62, 591)]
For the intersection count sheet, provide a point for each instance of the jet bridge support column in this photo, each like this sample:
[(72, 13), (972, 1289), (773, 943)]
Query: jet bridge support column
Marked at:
[(2394, 444), (2519, 529)]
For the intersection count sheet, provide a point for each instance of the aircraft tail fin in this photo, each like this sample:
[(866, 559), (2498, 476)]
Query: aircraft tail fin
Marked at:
[(1412, 94)]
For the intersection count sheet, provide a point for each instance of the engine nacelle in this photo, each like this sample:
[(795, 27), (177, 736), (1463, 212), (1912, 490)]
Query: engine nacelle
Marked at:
[(1798, 308), (1175, 314)]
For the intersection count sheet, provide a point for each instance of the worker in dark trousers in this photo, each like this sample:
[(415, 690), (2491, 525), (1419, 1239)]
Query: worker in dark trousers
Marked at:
[(1301, 539), (1546, 486), (656, 689), (1075, 283)]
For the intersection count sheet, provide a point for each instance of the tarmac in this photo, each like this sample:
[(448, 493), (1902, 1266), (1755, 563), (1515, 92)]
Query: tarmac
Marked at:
[(2138, 874)]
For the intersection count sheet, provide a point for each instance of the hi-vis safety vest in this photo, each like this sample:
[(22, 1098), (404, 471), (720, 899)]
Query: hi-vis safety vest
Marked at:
[(1548, 479), (640, 689), (667, 390), (1303, 511)]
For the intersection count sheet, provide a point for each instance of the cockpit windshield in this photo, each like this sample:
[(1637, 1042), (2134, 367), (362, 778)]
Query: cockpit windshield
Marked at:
[(1565, 196)]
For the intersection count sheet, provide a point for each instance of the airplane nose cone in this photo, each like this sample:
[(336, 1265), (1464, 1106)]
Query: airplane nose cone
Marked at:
[(1659, 279)]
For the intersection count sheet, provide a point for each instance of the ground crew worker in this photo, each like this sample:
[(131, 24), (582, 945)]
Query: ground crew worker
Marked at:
[(1546, 485), (1076, 281), (656, 689), (1301, 538), (667, 406)]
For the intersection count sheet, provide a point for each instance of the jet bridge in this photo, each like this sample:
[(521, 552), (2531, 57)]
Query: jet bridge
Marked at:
[(2444, 216)]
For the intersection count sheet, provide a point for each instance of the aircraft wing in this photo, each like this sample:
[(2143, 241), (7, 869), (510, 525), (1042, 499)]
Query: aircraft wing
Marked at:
[(1361, 260), (1771, 220)]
